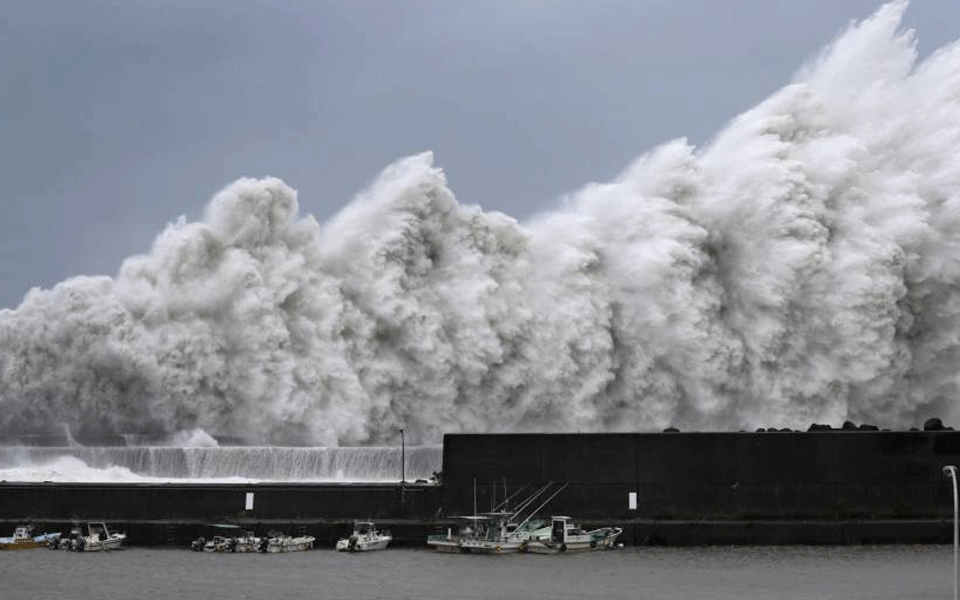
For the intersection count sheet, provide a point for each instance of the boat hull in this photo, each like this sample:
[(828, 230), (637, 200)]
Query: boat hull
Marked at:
[(550, 548), (485, 547), (19, 545), (604, 539), (363, 545), (298, 544), (102, 545), (233, 545), (28, 543), (476, 547), (445, 547)]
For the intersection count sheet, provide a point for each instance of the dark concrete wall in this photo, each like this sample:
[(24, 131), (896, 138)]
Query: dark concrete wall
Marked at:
[(213, 502), (798, 475), (175, 514), (816, 487)]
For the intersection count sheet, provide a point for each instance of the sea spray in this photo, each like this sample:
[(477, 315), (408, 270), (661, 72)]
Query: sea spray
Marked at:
[(801, 267), (223, 464)]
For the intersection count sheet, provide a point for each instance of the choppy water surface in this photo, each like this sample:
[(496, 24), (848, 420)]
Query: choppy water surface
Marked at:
[(741, 573)]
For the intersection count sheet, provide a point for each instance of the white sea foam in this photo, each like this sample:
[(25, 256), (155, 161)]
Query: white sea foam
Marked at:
[(233, 464), (69, 468), (803, 266)]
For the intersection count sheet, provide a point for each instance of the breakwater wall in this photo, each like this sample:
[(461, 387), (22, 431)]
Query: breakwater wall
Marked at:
[(831, 476), (665, 488), (174, 514)]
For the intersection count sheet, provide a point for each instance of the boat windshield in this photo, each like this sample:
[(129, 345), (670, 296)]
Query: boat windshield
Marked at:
[(97, 529)]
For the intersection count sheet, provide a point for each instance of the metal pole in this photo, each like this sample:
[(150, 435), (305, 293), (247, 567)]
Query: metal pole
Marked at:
[(951, 472), (403, 465)]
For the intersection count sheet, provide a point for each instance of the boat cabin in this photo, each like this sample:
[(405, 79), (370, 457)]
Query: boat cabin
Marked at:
[(363, 527), (562, 530), (97, 531)]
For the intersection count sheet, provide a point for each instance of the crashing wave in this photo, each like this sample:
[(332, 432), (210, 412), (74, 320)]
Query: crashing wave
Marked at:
[(802, 267)]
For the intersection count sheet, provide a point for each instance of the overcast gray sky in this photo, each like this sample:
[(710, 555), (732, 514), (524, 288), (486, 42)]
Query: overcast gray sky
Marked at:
[(117, 117)]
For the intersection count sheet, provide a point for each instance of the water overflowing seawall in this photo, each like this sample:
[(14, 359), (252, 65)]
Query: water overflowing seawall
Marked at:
[(353, 464), (689, 488)]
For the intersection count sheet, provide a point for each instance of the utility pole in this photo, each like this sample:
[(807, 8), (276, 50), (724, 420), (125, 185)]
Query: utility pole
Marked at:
[(403, 467)]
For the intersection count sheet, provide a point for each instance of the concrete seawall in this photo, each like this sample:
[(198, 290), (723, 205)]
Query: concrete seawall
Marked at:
[(821, 476), (175, 514), (672, 488)]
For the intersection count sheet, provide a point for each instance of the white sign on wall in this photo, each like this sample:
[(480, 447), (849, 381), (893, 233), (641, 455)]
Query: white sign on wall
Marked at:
[(249, 504), (632, 500)]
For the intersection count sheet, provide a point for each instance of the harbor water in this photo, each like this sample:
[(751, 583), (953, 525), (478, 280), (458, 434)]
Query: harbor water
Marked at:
[(716, 573)]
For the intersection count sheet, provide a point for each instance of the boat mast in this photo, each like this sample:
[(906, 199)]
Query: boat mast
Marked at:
[(554, 495)]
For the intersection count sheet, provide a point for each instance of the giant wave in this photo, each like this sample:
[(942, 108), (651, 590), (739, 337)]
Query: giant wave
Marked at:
[(803, 266)]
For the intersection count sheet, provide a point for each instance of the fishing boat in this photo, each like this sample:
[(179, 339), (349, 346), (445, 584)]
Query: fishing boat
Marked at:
[(487, 533), (100, 538), (495, 532), (23, 539), (97, 538), (229, 538), (279, 542), (71, 541), (365, 537), (562, 535), (469, 528), (217, 543), (246, 542)]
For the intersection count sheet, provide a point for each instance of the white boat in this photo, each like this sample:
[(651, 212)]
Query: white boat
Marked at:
[(365, 537), (71, 541), (452, 542), (488, 533), (99, 538), (229, 538), (246, 542), (217, 543), (279, 542), (24, 539), (243, 543), (565, 536), (496, 532)]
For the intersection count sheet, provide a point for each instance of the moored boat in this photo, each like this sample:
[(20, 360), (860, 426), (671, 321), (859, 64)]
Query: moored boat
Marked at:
[(99, 537), (488, 533), (565, 536), (246, 542), (279, 542), (365, 537), (495, 532), (23, 539), (228, 538)]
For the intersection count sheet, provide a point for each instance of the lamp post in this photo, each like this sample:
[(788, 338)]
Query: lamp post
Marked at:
[(403, 466), (951, 472)]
